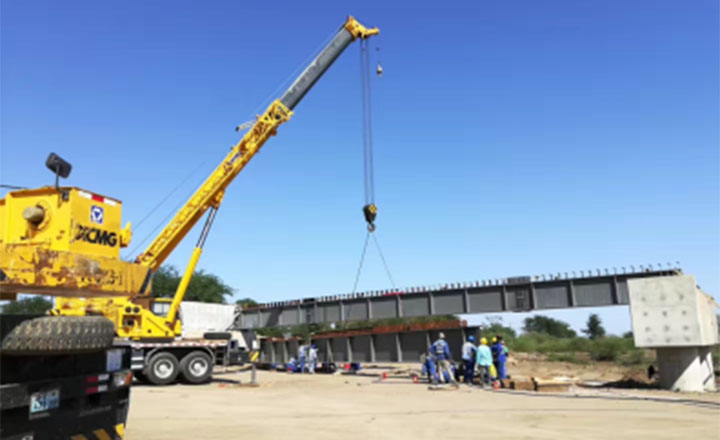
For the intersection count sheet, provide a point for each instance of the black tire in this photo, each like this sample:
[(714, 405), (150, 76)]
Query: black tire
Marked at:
[(59, 335), (162, 369), (196, 367), (218, 336)]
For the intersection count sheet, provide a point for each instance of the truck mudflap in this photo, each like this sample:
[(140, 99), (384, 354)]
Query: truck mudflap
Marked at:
[(40, 400)]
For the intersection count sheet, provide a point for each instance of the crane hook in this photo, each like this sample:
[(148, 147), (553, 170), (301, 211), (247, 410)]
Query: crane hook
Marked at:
[(370, 212), (379, 69)]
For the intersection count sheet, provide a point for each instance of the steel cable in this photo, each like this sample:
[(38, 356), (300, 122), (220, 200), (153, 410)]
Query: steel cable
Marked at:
[(382, 257), (362, 258)]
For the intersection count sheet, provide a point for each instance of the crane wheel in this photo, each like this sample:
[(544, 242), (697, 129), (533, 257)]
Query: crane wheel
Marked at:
[(196, 367), (59, 335), (162, 368)]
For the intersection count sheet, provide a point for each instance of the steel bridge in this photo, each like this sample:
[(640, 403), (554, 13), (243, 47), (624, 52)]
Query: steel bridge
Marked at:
[(516, 294)]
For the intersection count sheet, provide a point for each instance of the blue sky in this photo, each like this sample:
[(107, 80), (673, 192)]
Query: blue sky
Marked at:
[(512, 138)]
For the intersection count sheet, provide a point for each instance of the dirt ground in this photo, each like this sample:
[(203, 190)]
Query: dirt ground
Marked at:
[(361, 407)]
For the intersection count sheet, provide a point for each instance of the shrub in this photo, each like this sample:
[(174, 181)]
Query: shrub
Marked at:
[(548, 325), (636, 356), (497, 328), (608, 349), (567, 357), (611, 348), (524, 344), (544, 343)]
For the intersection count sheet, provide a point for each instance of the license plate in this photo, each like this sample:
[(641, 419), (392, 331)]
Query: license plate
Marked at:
[(114, 360), (44, 401)]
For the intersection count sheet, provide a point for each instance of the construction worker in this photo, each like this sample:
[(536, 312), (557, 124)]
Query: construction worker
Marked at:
[(302, 356), (484, 362), (494, 350), (441, 351), (312, 358), (468, 357), (291, 366), (502, 360), (428, 367), (500, 354)]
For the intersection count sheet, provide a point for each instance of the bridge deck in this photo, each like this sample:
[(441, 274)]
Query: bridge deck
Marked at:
[(519, 294)]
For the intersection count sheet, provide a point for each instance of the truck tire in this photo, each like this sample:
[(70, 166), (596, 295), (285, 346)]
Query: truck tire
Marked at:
[(59, 335), (196, 367), (162, 368)]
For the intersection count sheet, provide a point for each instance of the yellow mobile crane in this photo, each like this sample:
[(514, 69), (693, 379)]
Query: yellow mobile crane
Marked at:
[(65, 242)]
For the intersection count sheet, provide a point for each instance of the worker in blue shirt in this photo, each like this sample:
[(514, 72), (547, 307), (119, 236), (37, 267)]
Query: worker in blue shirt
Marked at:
[(494, 350), (441, 351), (302, 356), (468, 356), (428, 367), (500, 355)]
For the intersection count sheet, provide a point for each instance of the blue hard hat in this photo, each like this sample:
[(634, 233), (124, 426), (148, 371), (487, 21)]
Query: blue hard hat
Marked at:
[(471, 338), (314, 346)]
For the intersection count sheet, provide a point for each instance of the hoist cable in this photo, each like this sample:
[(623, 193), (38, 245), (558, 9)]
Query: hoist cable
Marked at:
[(11, 187), (167, 196), (382, 257), (369, 209), (368, 178), (164, 221), (371, 166), (362, 258), (363, 80)]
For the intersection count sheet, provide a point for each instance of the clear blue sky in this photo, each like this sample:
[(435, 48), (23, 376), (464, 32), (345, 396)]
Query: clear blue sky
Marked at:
[(511, 138)]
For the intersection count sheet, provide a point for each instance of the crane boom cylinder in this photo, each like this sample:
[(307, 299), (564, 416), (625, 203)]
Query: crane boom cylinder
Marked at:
[(190, 269), (315, 70), (351, 30)]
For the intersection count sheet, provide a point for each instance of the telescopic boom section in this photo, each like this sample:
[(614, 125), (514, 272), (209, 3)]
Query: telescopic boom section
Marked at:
[(211, 192)]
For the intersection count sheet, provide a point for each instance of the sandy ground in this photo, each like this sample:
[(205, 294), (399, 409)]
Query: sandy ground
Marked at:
[(359, 407)]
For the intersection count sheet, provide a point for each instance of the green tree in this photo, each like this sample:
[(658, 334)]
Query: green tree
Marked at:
[(549, 326), (496, 327), (594, 328), (203, 287), (27, 306), (246, 302)]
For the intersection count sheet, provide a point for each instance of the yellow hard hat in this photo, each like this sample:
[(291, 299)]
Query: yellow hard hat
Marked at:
[(494, 339), (483, 341)]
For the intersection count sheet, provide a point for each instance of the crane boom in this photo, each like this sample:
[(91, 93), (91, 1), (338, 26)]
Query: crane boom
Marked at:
[(210, 193)]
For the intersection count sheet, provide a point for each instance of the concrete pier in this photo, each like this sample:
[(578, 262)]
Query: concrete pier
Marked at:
[(678, 320), (686, 368)]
